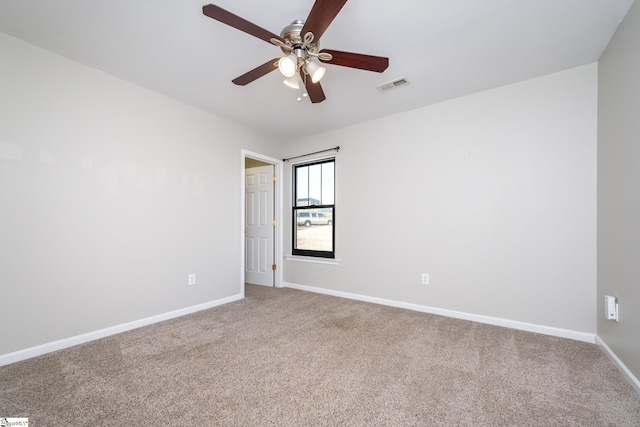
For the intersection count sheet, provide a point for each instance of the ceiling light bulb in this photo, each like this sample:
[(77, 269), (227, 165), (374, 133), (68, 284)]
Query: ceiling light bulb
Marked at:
[(315, 71), (288, 65), (293, 82)]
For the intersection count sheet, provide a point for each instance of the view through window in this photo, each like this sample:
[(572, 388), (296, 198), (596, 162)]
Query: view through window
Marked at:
[(314, 209)]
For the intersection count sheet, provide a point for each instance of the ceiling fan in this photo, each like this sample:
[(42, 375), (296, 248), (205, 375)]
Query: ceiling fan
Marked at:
[(299, 41)]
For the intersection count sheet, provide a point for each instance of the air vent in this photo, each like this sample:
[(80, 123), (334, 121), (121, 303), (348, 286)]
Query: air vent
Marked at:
[(384, 87)]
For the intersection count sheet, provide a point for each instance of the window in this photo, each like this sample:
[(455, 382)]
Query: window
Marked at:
[(314, 209)]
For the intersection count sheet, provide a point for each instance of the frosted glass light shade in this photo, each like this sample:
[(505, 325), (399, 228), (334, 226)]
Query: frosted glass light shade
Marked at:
[(315, 71), (288, 65), (292, 82)]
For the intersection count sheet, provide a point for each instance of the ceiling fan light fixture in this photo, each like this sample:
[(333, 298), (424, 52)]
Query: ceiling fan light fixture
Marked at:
[(315, 71), (299, 44), (293, 82), (288, 65)]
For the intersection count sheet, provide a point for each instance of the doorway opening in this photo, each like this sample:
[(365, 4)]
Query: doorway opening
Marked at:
[(262, 210)]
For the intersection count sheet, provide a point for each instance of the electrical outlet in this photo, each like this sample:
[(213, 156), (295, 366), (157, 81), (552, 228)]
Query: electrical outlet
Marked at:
[(192, 279), (611, 307), (425, 279)]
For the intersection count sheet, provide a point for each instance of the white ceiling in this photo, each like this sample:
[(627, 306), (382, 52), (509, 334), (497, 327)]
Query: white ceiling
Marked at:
[(445, 48)]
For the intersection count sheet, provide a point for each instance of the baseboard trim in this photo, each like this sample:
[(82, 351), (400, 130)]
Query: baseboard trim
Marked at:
[(635, 383), (38, 350), (513, 324)]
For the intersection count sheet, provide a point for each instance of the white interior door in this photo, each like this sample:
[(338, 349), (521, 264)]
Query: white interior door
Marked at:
[(259, 225)]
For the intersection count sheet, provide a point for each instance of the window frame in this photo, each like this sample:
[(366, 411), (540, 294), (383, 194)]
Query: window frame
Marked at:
[(295, 208)]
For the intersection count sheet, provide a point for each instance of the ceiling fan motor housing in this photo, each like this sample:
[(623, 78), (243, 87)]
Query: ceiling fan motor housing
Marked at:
[(292, 36)]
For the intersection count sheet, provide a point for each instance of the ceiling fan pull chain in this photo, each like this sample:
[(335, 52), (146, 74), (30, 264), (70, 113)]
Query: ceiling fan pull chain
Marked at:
[(304, 85)]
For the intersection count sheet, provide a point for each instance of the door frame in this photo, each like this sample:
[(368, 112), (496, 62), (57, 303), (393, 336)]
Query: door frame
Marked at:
[(278, 192)]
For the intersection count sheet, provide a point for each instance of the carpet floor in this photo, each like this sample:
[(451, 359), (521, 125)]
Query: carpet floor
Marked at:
[(283, 357)]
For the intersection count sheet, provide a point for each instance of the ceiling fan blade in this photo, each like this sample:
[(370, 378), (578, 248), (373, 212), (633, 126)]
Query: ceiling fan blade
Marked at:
[(316, 94), (357, 60), (322, 14), (256, 73), (219, 14)]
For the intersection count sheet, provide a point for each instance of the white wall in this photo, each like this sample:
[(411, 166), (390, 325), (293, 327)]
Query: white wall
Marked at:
[(493, 195), (110, 195), (618, 190)]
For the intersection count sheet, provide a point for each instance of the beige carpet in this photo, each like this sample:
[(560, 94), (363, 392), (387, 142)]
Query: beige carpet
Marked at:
[(283, 357)]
